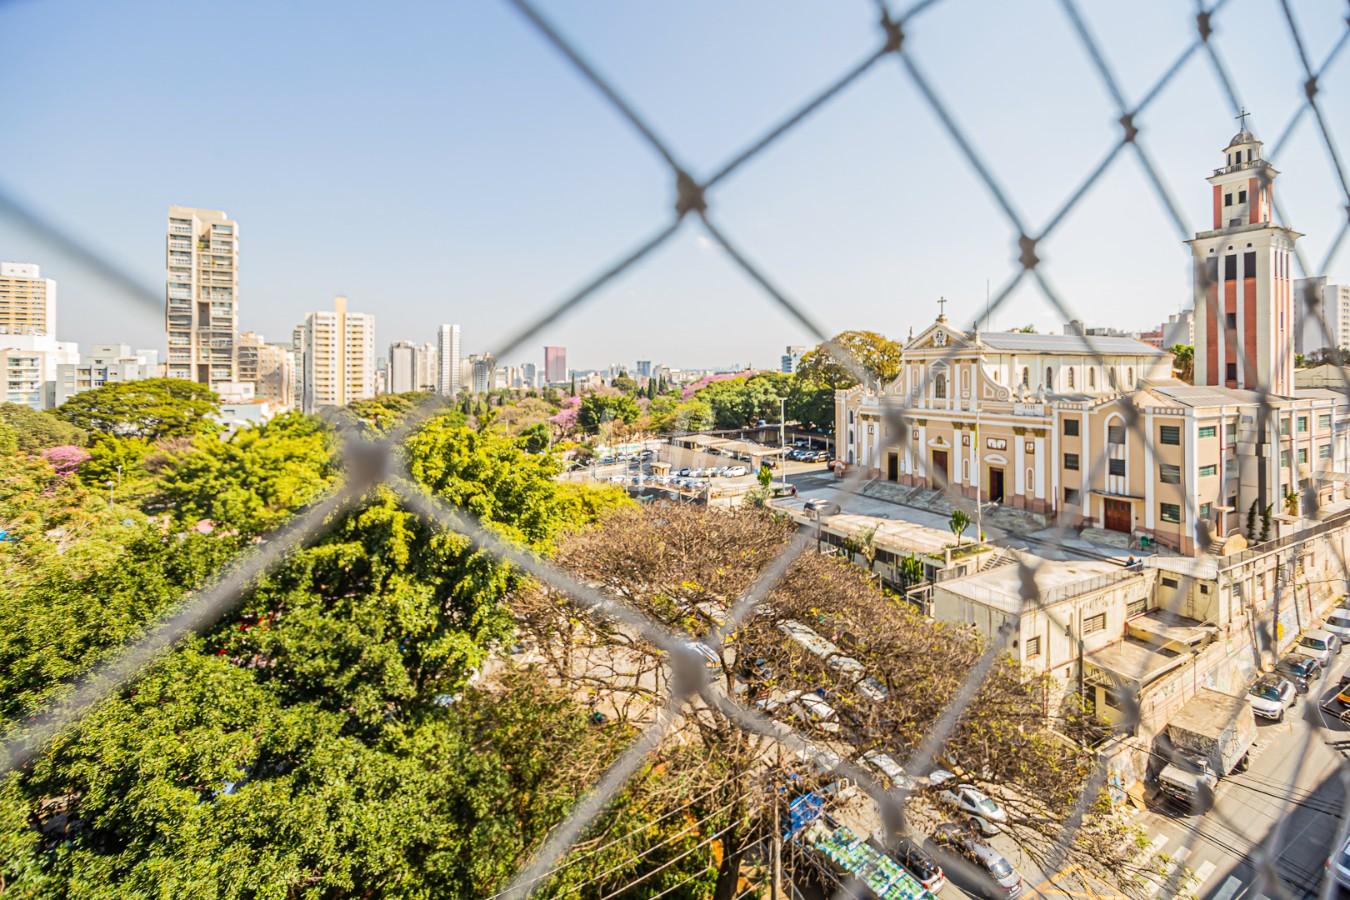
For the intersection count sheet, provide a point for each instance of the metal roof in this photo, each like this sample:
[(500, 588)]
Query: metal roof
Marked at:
[(1068, 343)]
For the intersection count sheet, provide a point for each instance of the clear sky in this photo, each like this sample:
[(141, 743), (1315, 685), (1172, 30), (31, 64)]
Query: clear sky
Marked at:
[(438, 162)]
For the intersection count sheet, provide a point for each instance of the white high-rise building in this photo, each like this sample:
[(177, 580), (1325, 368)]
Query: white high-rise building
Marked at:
[(428, 367), (27, 300), (1323, 324), (104, 364), (29, 364), (448, 361), (201, 308), (402, 367), (792, 355), (339, 357)]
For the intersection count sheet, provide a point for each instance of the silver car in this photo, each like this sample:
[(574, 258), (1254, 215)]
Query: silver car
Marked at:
[(1270, 696)]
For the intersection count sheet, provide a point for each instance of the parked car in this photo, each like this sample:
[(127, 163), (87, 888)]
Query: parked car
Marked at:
[(1271, 695), (1320, 645), (1338, 623), (1344, 696), (917, 862), (683, 473), (1339, 866), (892, 771), (712, 663), (1299, 669), (807, 706), (985, 814), (999, 870)]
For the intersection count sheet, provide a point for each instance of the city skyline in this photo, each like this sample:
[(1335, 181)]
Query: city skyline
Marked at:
[(826, 212)]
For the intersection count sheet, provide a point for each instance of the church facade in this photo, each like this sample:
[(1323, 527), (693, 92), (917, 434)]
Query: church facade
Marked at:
[(1096, 431)]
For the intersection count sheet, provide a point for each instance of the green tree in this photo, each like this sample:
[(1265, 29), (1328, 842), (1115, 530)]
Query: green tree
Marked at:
[(910, 571), (385, 411), (1183, 362), (958, 523), (1265, 522), (1026, 329), (536, 438), (765, 475), (623, 382), (1251, 522), (598, 408), (877, 355), (36, 430), (153, 408)]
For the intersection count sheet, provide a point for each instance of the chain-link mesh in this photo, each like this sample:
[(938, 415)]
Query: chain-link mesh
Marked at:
[(372, 462)]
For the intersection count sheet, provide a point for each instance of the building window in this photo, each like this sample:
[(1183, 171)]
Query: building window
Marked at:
[(1230, 267), (1026, 377), (1324, 422), (1284, 459), (1169, 474), (1211, 269), (1169, 582), (996, 443), (1230, 432), (1231, 372), (1208, 470), (1033, 647), (1170, 512), (1071, 427), (1324, 451), (1115, 434), (1302, 454), (1170, 434), (1249, 264), (1094, 624), (1138, 607), (1302, 424), (1284, 426), (1049, 379), (850, 417), (1204, 589), (1206, 431), (940, 387), (1205, 510), (1092, 377), (1071, 461), (1068, 377), (1227, 199), (965, 440), (1242, 196), (1230, 319), (1116, 467), (1071, 496)]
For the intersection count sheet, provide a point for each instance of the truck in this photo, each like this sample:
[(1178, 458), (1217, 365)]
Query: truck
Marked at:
[(1210, 739)]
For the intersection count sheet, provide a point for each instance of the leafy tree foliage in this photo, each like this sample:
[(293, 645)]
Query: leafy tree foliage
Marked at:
[(877, 355), (1183, 362), (34, 430), (385, 411), (151, 409), (596, 409)]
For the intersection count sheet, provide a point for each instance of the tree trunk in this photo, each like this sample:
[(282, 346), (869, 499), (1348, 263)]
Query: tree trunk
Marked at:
[(729, 872)]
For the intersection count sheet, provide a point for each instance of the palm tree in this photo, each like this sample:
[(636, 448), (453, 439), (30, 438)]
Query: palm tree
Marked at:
[(958, 524)]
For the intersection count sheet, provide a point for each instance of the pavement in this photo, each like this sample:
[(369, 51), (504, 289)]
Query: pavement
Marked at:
[(1290, 800)]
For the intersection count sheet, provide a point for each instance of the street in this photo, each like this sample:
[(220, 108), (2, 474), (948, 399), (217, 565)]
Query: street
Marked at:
[(1290, 799)]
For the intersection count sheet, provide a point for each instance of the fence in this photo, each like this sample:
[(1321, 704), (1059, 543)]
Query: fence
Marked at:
[(373, 462)]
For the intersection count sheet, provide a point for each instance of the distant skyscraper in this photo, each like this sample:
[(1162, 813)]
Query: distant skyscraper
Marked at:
[(427, 374), (644, 368), (202, 295), (1325, 323), (27, 300), (448, 362), (527, 374), (402, 367), (339, 351), (791, 358), (555, 364), (268, 367), (483, 369)]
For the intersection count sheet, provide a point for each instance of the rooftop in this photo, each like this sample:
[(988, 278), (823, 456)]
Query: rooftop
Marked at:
[(1134, 662), (1002, 589), (1067, 343)]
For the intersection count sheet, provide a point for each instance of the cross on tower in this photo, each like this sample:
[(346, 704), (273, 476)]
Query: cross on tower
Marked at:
[(942, 307), (1242, 118)]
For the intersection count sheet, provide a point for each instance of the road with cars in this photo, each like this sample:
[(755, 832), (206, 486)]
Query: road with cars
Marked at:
[(1289, 804)]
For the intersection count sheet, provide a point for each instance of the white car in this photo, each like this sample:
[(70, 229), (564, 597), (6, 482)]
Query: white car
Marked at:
[(987, 815), (1339, 866), (807, 706), (1338, 623), (892, 770), (1320, 645), (1270, 696)]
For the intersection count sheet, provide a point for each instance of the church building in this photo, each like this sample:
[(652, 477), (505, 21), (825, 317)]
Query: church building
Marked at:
[(1097, 432)]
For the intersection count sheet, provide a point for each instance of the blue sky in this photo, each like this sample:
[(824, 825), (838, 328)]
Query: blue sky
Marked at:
[(438, 162)]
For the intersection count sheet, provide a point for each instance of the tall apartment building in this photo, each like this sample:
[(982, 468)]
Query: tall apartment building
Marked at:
[(201, 309), (482, 369), (528, 374), (103, 364), (555, 365), (792, 355), (338, 349), (27, 300), (427, 365), (448, 381), (402, 367), (1322, 312), (270, 368)]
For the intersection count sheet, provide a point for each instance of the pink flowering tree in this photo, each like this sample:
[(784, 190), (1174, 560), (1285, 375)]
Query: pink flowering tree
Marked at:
[(694, 387), (65, 458)]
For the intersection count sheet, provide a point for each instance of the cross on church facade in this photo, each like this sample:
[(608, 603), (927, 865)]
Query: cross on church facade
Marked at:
[(942, 307), (1242, 118)]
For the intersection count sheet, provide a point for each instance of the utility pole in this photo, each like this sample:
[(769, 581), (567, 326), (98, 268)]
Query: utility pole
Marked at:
[(775, 856), (782, 439)]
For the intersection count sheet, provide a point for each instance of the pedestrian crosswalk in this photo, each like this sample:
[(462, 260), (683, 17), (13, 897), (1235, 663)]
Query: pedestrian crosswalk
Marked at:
[(1172, 877)]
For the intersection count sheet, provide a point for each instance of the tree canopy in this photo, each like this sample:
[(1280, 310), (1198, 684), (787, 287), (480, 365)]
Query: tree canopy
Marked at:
[(152, 408), (878, 356)]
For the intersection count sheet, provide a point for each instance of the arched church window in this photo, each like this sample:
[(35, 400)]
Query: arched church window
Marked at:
[(940, 387)]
